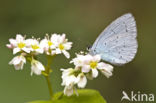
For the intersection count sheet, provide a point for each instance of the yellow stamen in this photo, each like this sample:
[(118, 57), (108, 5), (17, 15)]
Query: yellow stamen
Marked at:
[(50, 43), (21, 45), (61, 46), (93, 65), (35, 46)]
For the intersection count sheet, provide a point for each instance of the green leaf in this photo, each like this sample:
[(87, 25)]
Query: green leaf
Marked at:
[(85, 96), (42, 102)]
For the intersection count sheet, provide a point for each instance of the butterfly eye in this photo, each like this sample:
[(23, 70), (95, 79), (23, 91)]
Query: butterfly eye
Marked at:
[(89, 47)]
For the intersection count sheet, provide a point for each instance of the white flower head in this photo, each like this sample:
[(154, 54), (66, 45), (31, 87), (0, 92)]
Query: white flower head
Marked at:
[(56, 44), (34, 45), (36, 67), (18, 44), (96, 65), (63, 45), (80, 60), (87, 63), (91, 64), (68, 77), (18, 62), (68, 90), (68, 80), (48, 44)]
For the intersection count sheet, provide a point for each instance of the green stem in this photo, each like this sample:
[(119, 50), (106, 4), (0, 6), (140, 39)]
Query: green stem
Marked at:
[(49, 86), (49, 61)]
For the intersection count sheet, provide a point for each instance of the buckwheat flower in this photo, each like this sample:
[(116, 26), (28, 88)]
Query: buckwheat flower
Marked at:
[(34, 46), (63, 45), (91, 64), (106, 69), (49, 44), (96, 65), (68, 77), (68, 80), (81, 80), (68, 90), (79, 61), (18, 62), (36, 67), (18, 44), (85, 62)]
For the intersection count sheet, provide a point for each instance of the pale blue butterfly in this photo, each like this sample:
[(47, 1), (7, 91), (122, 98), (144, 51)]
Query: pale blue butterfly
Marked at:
[(117, 44)]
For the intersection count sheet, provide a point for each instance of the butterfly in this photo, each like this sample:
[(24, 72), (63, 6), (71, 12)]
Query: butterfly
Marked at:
[(117, 43)]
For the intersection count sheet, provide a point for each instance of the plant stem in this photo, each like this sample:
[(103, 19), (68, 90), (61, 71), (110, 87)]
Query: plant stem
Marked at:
[(49, 60), (49, 86)]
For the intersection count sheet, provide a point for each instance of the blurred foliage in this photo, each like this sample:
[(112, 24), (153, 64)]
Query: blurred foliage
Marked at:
[(82, 21), (85, 96)]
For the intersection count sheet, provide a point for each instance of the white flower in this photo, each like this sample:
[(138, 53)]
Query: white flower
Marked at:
[(68, 77), (68, 80), (96, 65), (87, 63), (49, 44), (63, 45), (81, 80), (18, 62), (56, 44), (34, 45), (18, 44), (80, 60), (36, 67), (91, 64), (106, 69), (68, 90)]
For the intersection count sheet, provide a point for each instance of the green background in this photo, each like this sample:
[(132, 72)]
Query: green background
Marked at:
[(82, 21)]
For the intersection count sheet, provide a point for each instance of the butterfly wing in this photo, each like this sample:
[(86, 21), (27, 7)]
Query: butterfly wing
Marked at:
[(117, 44)]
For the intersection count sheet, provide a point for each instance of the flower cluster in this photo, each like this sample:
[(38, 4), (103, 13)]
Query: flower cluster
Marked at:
[(28, 49), (86, 66)]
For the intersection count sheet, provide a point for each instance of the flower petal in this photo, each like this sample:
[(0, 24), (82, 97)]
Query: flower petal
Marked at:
[(97, 58), (27, 50), (62, 38), (13, 42), (9, 46), (94, 73), (36, 67), (106, 69), (85, 68), (58, 51), (82, 81), (19, 38), (18, 62), (68, 45), (16, 50), (66, 54), (68, 91)]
